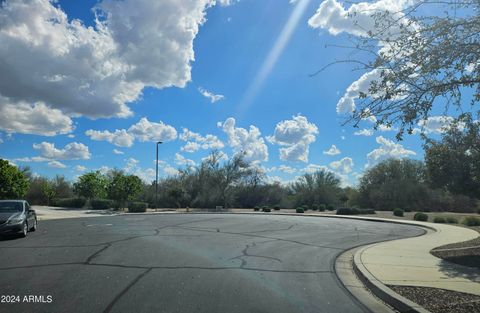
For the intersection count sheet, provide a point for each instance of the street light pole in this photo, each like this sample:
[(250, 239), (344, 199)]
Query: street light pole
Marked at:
[(156, 179)]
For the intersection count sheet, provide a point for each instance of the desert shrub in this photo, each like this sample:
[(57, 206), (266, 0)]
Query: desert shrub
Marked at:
[(300, 210), (451, 220), (137, 207), (101, 204), (398, 212), (70, 202), (348, 211), (419, 216), (256, 208), (471, 221), (440, 219), (322, 207), (276, 208)]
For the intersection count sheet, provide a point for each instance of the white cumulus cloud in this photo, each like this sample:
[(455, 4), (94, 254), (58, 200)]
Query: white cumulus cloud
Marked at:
[(56, 164), (332, 151), (71, 151), (295, 135), (56, 62), (210, 95), (183, 161), (246, 141), (196, 141), (387, 149), (119, 138), (344, 166)]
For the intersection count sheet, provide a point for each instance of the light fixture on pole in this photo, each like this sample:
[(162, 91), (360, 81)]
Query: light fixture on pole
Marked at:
[(156, 179)]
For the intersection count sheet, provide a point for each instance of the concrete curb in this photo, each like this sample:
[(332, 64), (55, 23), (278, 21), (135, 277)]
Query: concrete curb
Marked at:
[(392, 298)]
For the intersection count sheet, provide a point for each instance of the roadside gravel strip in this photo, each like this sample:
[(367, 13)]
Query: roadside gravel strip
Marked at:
[(440, 300)]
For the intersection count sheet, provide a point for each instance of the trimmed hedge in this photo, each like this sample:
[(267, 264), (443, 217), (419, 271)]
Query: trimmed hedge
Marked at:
[(300, 210), (452, 220), (256, 208), (266, 209), (330, 207), (398, 212), (101, 204), (137, 207), (367, 211), (439, 219), (419, 216), (322, 207), (276, 208), (315, 207), (471, 221), (76, 203), (348, 211)]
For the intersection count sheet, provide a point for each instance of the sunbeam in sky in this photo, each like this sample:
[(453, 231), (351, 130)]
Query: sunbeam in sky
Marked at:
[(273, 55)]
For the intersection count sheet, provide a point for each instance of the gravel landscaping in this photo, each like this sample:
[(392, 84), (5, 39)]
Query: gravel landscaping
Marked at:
[(465, 253), (440, 300)]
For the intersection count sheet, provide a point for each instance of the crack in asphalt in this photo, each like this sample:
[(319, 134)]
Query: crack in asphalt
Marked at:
[(246, 254), (260, 236), (125, 290), (219, 268)]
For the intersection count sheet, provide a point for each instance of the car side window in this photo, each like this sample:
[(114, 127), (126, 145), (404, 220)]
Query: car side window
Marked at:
[(27, 206)]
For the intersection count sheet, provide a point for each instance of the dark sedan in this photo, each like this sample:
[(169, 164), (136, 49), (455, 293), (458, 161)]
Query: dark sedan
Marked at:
[(17, 217)]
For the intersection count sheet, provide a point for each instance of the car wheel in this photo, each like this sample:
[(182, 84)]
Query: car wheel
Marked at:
[(24, 230), (34, 227)]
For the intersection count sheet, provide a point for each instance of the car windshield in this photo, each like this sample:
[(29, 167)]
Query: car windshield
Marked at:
[(11, 206)]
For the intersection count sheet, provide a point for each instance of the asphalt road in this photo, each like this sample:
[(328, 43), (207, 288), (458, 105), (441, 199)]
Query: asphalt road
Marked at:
[(185, 263)]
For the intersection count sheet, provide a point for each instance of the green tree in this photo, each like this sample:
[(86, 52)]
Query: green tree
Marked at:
[(393, 184), (453, 163), (91, 185), (48, 191), (123, 187), (13, 182), (319, 187)]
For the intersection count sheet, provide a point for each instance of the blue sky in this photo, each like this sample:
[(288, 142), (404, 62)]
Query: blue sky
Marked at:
[(143, 75)]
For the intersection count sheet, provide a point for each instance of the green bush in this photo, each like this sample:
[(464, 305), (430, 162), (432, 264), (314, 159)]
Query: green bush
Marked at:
[(276, 208), (322, 207), (348, 211), (305, 207), (70, 203), (137, 207), (439, 219), (256, 208), (452, 220), (398, 212), (266, 209), (419, 216), (315, 207), (300, 210), (471, 221), (330, 207), (101, 204)]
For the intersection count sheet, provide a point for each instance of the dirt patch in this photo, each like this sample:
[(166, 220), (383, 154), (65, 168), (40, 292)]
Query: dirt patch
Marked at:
[(440, 300)]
